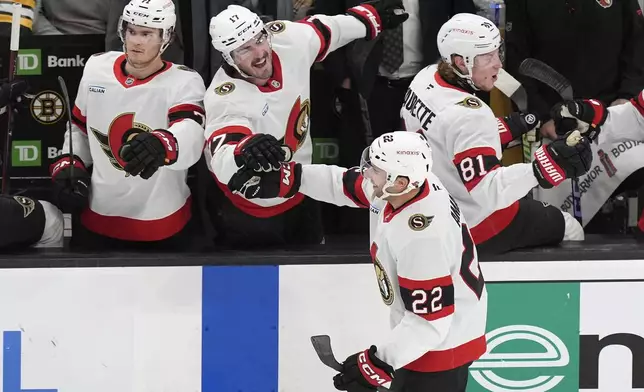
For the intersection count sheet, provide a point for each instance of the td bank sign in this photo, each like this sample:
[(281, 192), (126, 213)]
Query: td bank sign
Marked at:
[(30, 62)]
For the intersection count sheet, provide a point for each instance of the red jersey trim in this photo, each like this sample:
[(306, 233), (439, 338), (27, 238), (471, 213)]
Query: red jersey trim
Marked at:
[(428, 284), (390, 213), (639, 103), (441, 82), (255, 210), (128, 81), (494, 224), (439, 361), (130, 229), (504, 131), (275, 82), (325, 44), (79, 120)]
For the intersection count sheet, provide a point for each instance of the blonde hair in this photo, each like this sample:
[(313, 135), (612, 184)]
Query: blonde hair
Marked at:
[(447, 72)]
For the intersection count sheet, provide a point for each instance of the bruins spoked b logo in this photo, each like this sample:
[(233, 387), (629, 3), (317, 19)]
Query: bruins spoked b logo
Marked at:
[(47, 107)]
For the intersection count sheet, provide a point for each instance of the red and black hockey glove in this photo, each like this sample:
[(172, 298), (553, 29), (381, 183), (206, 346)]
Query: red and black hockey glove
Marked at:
[(259, 152), (251, 184), (585, 115), (363, 371), (70, 194), (515, 125), (145, 152), (567, 157), (379, 15)]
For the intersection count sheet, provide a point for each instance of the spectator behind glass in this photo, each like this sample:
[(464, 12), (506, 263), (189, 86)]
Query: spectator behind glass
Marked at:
[(93, 17)]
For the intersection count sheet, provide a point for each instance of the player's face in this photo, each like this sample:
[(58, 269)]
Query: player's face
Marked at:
[(377, 178), (485, 70), (254, 58), (142, 44)]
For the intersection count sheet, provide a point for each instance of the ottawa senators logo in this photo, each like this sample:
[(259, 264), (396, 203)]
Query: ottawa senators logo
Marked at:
[(298, 124), (605, 3), (470, 102), (27, 204), (276, 27), (122, 129), (418, 222)]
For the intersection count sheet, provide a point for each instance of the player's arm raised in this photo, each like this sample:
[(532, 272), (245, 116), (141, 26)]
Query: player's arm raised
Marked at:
[(179, 146), (326, 183), (366, 20)]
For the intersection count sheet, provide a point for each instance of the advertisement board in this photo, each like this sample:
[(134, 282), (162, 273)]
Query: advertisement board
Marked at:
[(248, 328)]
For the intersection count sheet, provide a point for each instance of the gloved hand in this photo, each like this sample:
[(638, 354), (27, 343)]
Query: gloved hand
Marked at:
[(585, 115), (378, 15), (259, 152), (363, 371), (144, 152), (251, 184), (71, 195), (11, 92), (566, 157), (515, 125)]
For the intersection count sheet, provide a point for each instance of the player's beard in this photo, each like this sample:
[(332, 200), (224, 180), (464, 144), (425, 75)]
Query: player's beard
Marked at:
[(260, 68)]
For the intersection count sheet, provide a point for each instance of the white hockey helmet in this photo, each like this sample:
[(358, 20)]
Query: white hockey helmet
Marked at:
[(401, 153), (158, 14), (232, 28), (467, 35)]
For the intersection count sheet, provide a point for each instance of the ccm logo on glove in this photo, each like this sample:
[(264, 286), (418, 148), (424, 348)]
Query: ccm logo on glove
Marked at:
[(367, 369)]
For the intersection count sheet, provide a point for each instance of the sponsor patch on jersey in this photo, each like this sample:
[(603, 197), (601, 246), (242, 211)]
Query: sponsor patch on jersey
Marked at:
[(418, 222), (225, 88), (184, 68), (97, 89), (470, 102), (28, 205), (276, 27), (47, 107), (384, 284)]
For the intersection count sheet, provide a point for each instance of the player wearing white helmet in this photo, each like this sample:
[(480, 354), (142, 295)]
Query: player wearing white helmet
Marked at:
[(139, 121), (441, 104), (425, 262), (258, 108)]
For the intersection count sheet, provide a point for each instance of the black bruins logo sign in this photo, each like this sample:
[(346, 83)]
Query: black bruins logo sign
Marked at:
[(276, 27), (47, 107), (470, 102), (384, 284), (225, 89), (418, 222)]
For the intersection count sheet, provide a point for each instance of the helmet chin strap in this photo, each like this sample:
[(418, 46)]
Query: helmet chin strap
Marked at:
[(467, 78), (389, 184)]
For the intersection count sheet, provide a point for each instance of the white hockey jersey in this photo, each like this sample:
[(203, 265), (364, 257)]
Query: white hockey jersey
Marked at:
[(624, 122), (426, 267), (236, 108), (464, 135), (108, 103)]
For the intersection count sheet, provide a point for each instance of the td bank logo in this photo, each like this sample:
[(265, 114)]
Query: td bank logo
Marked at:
[(548, 354), (26, 153), (28, 62)]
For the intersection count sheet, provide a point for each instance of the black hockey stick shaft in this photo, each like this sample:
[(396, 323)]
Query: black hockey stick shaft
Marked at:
[(63, 88), (16, 13), (542, 72), (322, 346)]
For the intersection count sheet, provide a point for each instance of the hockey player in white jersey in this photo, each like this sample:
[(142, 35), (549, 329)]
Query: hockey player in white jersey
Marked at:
[(138, 120), (259, 101), (464, 134), (425, 262)]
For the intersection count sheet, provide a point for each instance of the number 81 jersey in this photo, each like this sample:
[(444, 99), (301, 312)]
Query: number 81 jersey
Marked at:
[(427, 270)]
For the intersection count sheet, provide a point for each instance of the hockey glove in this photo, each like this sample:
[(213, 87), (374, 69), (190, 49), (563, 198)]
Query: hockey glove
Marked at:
[(585, 115), (566, 157), (516, 125), (259, 152), (12, 92), (145, 152), (267, 185), (71, 195), (378, 15), (363, 371)]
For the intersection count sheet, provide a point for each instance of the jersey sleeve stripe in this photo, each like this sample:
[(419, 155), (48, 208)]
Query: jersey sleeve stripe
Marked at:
[(430, 299), (323, 32), (186, 107), (186, 111), (482, 161), (231, 134), (352, 186), (639, 103), (473, 153), (79, 120)]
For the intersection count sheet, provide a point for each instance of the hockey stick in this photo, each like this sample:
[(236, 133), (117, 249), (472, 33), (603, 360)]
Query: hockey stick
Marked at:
[(322, 346), (16, 12), (511, 88), (542, 72), (63, 88)]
